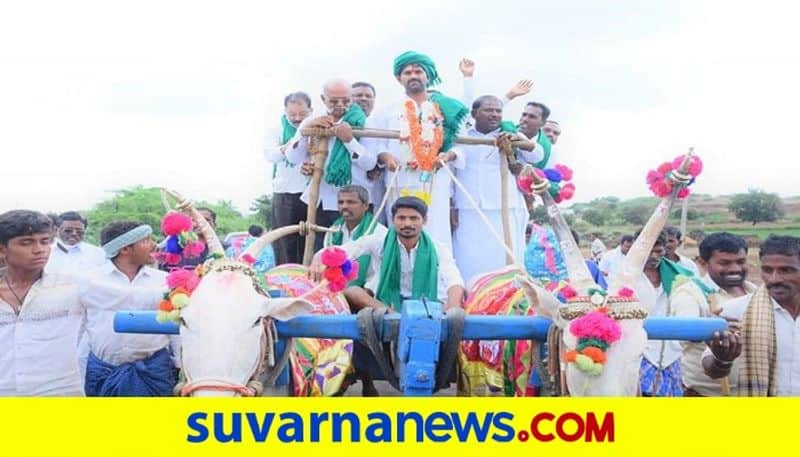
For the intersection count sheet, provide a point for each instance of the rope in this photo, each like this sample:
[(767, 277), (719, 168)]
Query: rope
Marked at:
[(274, 367), (554, 335), (368, 320), (386, 195), (448, 352), (483, 217)]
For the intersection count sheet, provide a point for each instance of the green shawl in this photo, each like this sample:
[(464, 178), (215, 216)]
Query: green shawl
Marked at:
[(454, 113), (287, 133), (673, 275), (360, 230), (339, 170), (545, 143), (425, 282)]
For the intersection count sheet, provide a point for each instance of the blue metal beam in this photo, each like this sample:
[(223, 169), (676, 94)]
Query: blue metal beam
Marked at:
[(475, 327)]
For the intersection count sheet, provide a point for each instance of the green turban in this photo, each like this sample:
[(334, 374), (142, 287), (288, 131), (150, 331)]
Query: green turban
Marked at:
[(410, 57)]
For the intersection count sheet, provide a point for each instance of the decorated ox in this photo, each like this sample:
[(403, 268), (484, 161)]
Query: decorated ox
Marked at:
[(224, 314)]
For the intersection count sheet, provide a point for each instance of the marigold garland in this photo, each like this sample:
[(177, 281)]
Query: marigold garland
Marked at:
[(425, 151)]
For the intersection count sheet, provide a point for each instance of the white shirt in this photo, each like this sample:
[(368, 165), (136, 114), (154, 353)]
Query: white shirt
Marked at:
[(692, 371), (611, 262), (74, 259), (328, 194), (689, 264), (39, 356), (660, 353), (373, 245), (288, 178), (118, 348), (481, 175), (787, 335), (379, 229)]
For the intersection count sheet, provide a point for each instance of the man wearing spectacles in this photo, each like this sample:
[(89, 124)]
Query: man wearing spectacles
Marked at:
[(70, 253)]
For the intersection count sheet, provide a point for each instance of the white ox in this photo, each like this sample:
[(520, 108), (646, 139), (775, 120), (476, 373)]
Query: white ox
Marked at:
[(223, 333)]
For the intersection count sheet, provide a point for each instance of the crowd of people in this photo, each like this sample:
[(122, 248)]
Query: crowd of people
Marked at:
[(416, 211)]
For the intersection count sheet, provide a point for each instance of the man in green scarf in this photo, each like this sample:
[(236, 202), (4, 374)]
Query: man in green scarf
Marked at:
[(533, 118), (347, 160), (355, 221), (288, 183), (416, 73), (411, 264)]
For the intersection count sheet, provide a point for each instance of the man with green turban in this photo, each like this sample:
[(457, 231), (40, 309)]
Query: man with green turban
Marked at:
[(347, 160), (428, 123)]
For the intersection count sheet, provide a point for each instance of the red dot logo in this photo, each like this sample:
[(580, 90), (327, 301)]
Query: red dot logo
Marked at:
[(523, 436)]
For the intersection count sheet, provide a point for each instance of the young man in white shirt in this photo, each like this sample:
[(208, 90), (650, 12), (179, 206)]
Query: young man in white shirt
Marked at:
[(70, 253), (612, 260), (410, 264), (122, 364), (674, 241), (763, 359), (42, 314)]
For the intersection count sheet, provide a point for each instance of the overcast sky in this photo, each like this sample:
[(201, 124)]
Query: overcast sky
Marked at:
[(96, 96)]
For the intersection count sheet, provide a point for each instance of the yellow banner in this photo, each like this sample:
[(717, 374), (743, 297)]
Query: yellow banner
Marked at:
[(382, 427)]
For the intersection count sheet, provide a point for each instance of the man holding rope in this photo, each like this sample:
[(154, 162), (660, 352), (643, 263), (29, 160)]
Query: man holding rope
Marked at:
[(428, 123)]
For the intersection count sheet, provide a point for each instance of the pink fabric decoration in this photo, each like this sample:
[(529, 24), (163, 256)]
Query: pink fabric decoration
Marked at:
[(333, 256), (334, 274), (569, 292), (174, 223), (248, 259), (354, 267), (567, 191), (566, 172), (596, 324), (625, 292), (525, 183), (695, 165), (683, 193), (172, 259), (194, 249), (187, 279), (664, 168)]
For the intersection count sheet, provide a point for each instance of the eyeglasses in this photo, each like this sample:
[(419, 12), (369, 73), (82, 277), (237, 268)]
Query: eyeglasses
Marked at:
[(72, 231)]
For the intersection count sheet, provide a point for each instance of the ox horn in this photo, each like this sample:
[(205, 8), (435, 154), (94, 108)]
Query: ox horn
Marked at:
[(633, 265), (268, 238), (186, 206), (579, 274)]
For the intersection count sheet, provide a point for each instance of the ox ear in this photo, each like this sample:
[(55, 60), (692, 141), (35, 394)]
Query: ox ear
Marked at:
[(285, 308)]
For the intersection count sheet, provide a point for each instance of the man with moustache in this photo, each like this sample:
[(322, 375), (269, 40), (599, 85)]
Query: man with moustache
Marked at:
[(288, 182), (409, 262), (724, 257), (553, 131), (42, 313), (674, 241), (355, 221), (763, 359), (123, 365), (531, 123), (70, 252), (347, 161), (427, 120), (481, 176)]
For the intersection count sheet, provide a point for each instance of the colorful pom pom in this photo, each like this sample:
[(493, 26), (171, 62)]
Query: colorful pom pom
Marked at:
[(566, 172), (185, 279), (180, 300), (596, 324), (174, 223), (333, 256), (626, 292)]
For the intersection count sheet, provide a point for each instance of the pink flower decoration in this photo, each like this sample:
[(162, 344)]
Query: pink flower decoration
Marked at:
[(354, 267), (248, 259), (566, 172), (194, 249), (683, 193), (661, 188), (625, 292), (172, 259), (653, 176), (525, 183), (664, 168), (567, 191), (569, 292), (596, 324), (337, 286), (334, 274), (333, 256), (187, 279), (174, 223), (695, 165)]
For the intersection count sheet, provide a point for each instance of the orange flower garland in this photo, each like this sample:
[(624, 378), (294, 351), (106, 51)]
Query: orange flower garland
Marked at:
[(424, 152)]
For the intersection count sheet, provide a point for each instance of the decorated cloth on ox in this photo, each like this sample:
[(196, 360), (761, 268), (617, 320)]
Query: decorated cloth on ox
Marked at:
[(318, 365), (497, 368)]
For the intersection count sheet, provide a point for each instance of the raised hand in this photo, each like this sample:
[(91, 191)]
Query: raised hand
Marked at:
[(467, 67), (522, 87)]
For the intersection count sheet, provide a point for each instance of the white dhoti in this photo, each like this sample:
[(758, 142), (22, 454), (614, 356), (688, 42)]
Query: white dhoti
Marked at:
[(477, 251)]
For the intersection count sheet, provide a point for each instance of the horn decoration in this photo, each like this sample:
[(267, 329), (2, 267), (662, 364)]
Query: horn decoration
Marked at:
[(186, 206), (268, 238)]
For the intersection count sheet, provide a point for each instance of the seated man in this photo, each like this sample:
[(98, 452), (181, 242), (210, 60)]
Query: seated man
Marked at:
[(410, 264), (354, 221)]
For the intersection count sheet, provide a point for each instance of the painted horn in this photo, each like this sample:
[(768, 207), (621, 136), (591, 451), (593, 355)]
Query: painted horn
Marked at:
[(268, 238), (579, 274), (633, 265), (186, 206)]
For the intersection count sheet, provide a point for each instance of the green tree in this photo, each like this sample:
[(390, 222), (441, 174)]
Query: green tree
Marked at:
[(756, 206), (595, 216), (262, 207), (539, 215), (635, 214)]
